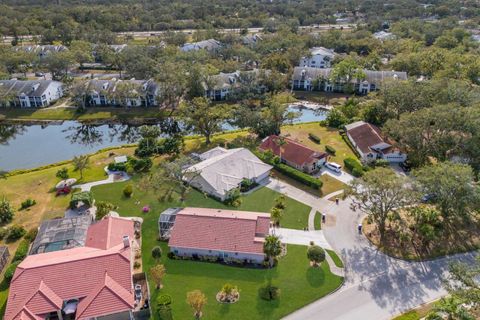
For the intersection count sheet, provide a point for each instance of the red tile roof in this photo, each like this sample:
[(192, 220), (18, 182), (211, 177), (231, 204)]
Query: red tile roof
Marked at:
[(222, 230), (109, 232), (42, 282), (292, 151)]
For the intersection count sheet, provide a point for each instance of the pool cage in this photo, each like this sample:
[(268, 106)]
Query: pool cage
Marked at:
[(166, 222), (61, 234)]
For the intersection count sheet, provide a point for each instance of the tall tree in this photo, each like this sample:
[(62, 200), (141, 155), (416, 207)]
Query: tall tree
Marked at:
[(347, 71), (157, 273), (204, 117), (197, 300), (451, 187), (379, 193), (81, 163)]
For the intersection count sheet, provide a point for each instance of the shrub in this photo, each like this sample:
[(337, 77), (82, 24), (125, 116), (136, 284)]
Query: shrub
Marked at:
[(31, 234), (315, 254), (128, 191), (269, 293), (104, 208), (10, 271), (62, 173), (171, 255), (354, 166), (15, 232), (6, 211), (164, 300), (314, 138), (3, 233), (141, 165), (136, 265), (27, 203), (156, 253), (330, 149), (381, 163), (21, 251), (116, 166)]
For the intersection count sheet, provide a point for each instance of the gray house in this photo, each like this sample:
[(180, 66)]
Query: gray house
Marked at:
[(30, 93), (316, 79)]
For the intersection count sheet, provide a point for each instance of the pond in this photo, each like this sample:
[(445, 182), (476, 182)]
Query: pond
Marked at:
[(29, 146)]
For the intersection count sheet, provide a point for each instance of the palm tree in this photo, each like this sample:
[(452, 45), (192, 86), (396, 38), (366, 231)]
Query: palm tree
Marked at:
[(276, 214), (272, 248), (280, 142), (80, 163)]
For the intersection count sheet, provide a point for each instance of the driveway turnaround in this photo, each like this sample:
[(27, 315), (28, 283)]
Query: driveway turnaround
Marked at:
[(376, 286)]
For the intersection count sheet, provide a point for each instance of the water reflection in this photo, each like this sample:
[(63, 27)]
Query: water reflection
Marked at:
[(9, 132)]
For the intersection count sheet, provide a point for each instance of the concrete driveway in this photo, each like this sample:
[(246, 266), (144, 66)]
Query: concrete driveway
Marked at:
[(342, 176), (301, 237), (376, 286)]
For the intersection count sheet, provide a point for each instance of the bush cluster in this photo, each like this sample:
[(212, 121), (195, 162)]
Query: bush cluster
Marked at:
[(314, 138), (128, 191), (22, 251), (132, 165), (27, 203), (12, 233), (354, 166), (10, 271)]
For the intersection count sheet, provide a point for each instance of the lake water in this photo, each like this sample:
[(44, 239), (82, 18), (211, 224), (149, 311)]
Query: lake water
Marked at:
[(23, 147)]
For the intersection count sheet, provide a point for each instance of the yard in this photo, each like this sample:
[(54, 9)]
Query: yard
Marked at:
[(328, 136), (299, 283)]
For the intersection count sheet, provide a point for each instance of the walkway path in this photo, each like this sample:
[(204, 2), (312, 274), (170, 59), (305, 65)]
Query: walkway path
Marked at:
[(112, 178)]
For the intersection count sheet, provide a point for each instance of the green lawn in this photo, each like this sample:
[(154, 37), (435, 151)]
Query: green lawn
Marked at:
[(336, 259), (299, 283), (328, 136), (317, 222)]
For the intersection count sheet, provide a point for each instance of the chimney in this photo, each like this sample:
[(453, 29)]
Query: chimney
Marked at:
[(126, 241)]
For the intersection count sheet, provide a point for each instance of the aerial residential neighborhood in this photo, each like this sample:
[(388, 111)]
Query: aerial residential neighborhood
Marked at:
[(295, 160)]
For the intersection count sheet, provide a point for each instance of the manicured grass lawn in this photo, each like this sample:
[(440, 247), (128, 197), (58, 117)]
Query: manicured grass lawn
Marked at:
[(328, 136), (336, 259), (70, 113), (299, 283), (410, 315), (317, 222)]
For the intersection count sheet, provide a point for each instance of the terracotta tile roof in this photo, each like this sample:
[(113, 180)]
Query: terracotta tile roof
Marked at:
[(109, 232), (223, 230), (292, 151), (42, 282), (108, 297), (365, 135)]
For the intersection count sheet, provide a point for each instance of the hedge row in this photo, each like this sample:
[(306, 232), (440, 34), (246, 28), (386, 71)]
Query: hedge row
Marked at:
[(314, 138), (354, 166), (330, 149), (292, 172), (22, 251)]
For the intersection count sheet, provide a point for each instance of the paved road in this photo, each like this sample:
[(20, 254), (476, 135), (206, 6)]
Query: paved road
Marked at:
[(376, 286)]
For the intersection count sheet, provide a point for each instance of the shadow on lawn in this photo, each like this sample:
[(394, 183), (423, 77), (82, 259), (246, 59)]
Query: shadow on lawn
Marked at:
[(316, 276)]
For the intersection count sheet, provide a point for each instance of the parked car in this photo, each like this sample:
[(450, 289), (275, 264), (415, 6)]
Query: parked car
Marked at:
[(334, 166), (39, 74)]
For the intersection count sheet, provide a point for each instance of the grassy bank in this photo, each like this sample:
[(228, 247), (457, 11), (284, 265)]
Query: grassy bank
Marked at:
[(90, 114)]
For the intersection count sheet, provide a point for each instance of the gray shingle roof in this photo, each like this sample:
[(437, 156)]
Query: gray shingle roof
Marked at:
[(31, 88), (308, 73)]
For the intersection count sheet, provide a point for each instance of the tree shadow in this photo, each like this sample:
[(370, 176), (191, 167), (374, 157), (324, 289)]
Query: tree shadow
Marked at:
[(315, 276)]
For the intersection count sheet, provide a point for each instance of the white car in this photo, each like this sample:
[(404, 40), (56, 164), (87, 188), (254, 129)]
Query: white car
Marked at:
[(334, 166)]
